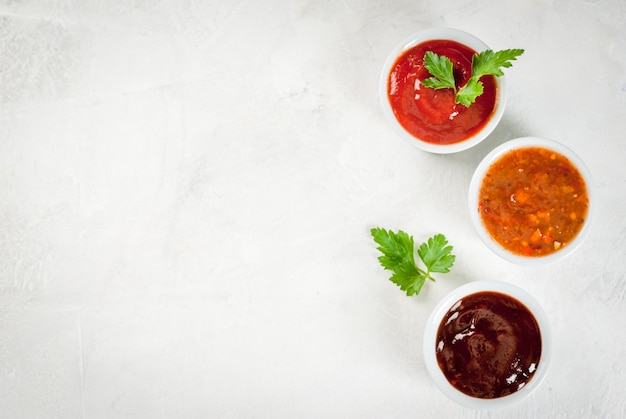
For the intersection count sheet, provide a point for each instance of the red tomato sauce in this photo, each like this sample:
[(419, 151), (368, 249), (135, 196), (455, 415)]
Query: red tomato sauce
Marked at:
[(431, 114), (533, 201)]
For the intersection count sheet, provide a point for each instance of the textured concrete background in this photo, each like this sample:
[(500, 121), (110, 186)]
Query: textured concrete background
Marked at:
[(187, 188)]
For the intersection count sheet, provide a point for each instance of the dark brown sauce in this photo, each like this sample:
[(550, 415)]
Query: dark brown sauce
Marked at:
[(488, 345)]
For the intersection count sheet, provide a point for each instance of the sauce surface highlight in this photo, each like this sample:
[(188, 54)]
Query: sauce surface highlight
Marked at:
[(533, 201), (431, 114), (488, 345)]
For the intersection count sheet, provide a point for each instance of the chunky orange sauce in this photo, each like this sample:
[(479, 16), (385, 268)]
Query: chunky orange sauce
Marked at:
[(533, 201)]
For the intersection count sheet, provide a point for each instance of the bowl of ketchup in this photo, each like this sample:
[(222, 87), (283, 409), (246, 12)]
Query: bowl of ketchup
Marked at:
[(429, 118), (487, 345)]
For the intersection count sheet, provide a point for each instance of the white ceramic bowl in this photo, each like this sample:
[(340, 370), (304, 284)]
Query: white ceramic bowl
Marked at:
[(462, 38), (430, 336), (473, 198)]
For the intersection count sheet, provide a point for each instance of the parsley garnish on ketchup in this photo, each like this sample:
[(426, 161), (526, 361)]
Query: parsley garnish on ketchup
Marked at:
[(444, 92)]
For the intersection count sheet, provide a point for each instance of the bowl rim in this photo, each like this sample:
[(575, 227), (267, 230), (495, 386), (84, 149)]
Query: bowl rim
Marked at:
[(430, 336), (476, 180), (450, 34)]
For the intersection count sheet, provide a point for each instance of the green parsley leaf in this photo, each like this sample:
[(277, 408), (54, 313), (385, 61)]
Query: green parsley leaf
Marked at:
[(408, 279), (489, 62), (436, 254), (440, 67), (396, 248), (468, 93), (398, 256), (486, 63)]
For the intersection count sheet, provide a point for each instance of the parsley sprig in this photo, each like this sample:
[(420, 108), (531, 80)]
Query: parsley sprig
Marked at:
[(398, 256), (486, 63)]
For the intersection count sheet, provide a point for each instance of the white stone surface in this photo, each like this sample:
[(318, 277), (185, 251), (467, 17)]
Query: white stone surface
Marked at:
[(187, 188)]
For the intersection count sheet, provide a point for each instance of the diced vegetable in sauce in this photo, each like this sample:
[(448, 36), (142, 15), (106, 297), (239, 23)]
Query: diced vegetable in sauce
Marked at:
[(533, 201)]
